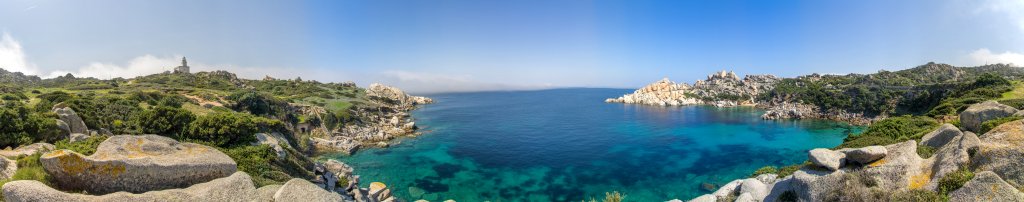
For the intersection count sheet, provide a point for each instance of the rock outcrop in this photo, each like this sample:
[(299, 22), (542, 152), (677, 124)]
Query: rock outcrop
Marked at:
[(302, 190), (8, 168), (825, 158), (137, 164), (1002, 151), (722, 89), (71, 119), (27, 150), (384, 119), (986, 186), (236, 187), (976, 114), (275, 141)]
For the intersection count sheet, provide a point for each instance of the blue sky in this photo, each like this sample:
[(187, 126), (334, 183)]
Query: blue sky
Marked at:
[(440, 46)]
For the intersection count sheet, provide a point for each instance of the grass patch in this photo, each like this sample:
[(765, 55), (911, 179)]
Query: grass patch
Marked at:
[(1016, 93), (29, 168), (84, 147), (955, 180)]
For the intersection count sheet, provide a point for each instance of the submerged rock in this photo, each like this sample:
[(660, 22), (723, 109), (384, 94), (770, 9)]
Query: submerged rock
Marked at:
[(236, 187), (976, 114), (137, 164), (986, 186)]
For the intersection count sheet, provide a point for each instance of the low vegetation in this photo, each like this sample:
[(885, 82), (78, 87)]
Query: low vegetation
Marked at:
[(990, 124), (891, 130)]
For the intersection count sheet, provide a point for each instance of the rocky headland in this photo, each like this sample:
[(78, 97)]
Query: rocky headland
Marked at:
[(385, 119), (723, 89)]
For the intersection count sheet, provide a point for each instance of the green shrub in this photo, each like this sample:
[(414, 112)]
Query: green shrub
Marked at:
[(891, 130), (863, 141), (255, 160), (257, 103), (20, 126), (163, 120), (990, 124), (84, 147), (614, 196), (222, 129), (955, 180), (789, 170), (765, 170)]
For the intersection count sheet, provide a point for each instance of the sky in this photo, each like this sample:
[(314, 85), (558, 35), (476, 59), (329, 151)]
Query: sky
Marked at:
[(466, 45)]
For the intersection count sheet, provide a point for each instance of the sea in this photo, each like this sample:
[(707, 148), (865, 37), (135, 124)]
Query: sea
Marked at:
[(569, 145)]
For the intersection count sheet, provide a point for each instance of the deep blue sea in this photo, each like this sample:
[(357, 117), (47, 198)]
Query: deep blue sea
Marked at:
[(568, 145)]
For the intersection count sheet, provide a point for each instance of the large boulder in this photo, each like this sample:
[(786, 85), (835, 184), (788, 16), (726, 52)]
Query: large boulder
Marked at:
[(866, 154), (757, 189), (951, 157), (69, 117), (981, 112), (941, 136), (302, 190), (236, 187), (728, 189), (137, 164), (986, 186), (704, 198), (340, 169), (900, 169), (266, 193), (27, 150), (1002, 151), (826, 158)]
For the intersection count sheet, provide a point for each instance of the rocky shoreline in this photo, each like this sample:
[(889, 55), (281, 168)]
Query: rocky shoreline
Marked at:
[(388, 118), (896, 171), (726, 89)]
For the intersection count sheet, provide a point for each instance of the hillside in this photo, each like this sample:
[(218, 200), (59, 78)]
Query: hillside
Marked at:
[(271, 127)]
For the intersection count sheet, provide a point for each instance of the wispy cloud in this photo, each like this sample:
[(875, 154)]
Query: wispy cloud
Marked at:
[(1013, 9), (421, 82), (13, 58), (985, 56)]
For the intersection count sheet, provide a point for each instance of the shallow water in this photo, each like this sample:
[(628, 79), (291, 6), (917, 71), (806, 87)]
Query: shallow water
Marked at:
[(567, 145)]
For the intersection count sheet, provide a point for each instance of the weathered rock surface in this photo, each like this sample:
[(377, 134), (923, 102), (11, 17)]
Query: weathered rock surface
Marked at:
[(951, 157), (976, 114), (941, 136), (1002, 151), (745, 197), (266, 193), (754, 187), (340, 169), (826, 158), (275, 140), (386, 117), (986, 186), (704, 198), (137, 164), (9, 167), (302, 190), (236, 187), (866, 154), (69, 117), (730, 188), (27, 150)]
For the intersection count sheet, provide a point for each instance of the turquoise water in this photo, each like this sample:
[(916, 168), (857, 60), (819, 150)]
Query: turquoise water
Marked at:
[(567, 145)]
